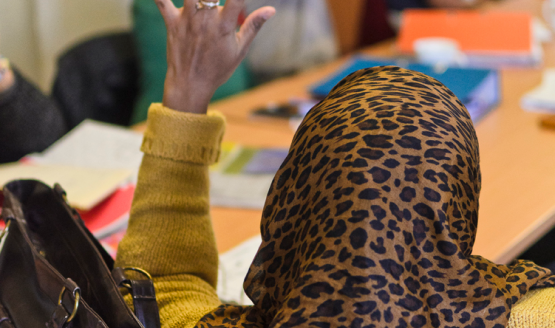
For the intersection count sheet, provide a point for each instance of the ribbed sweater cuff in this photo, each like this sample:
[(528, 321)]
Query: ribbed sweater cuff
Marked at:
[(183, 137)]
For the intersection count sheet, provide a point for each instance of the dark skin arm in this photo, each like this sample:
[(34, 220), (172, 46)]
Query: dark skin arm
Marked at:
[(204, 49)]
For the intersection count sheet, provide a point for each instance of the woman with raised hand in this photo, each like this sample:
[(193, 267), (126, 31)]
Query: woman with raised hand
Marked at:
[(369, 222)]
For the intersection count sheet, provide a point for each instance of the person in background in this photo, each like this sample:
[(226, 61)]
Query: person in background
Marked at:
[(299, 37), (29, 121), (369, 222), (95, 79), (114, 78)]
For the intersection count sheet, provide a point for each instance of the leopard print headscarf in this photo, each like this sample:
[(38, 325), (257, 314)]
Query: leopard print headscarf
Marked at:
[(371, 219)]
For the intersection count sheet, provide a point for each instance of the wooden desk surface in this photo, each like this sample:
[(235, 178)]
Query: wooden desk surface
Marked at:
[(517, 203)]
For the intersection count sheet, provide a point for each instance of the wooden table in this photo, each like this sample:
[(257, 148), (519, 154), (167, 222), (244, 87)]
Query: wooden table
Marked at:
[(517, 203)]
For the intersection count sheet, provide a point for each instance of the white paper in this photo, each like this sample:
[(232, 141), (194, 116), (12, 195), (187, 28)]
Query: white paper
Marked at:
[(85, 187), (234, 265), (96, 145), (542, 98), (541, 33), (239, 190)]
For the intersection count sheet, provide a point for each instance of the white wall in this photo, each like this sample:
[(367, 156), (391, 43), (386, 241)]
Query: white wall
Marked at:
[(33, 33), (17, 37)]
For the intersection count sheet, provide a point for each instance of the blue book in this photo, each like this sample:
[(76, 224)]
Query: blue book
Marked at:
[(478, 89)]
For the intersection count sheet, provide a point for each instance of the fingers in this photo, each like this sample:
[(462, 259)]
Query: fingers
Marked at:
[(252, 25), (189, 7), (231, 11), (167, 9)]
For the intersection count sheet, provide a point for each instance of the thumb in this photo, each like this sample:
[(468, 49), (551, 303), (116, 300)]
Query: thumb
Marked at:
[(252, 25)]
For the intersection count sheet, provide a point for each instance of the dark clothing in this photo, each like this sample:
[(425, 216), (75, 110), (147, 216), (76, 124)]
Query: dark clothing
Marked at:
[(30, 121), (406, 4), (376, 25), (97, 79)]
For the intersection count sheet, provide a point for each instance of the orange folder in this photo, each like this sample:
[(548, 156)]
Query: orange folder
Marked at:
[(487, 33)]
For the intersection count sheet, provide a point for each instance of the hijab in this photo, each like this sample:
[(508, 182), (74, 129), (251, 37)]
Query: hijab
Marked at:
[(371, 219)]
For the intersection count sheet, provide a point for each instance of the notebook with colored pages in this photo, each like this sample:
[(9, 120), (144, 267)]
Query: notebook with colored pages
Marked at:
[(111, 215), (478, 89), (243, 175), (490, 39)]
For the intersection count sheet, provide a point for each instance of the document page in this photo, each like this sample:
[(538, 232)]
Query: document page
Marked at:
[(234, 265), (85, 187), (243, 176), (96, 145)]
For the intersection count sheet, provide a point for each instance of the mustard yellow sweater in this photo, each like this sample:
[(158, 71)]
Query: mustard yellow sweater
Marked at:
[(170, 233)]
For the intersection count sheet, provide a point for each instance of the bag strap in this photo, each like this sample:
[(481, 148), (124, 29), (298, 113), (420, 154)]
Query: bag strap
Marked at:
[(45, 222), (144, 296)]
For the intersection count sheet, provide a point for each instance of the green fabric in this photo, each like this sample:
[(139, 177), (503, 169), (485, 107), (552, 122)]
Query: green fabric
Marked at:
[(150, 34)]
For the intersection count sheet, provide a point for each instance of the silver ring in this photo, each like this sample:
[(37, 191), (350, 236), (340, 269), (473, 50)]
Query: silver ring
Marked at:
[(201, 4)]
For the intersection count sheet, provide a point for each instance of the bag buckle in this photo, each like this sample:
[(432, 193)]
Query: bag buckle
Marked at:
[(77, 295), (143, 271), (143, 293)]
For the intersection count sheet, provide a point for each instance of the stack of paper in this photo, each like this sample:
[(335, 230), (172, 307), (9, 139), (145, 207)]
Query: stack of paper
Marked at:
[(85, 187), (95, 145), (90, 163), (233, 268), (95, 164)]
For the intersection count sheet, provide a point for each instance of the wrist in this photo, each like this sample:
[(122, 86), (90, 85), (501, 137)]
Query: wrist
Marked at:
[(186, 96)]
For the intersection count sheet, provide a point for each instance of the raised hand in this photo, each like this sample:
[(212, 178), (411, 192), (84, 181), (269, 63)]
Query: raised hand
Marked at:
[(204, 49)]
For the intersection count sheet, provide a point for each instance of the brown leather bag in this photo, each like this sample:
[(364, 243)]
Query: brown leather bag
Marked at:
[(54, 273)]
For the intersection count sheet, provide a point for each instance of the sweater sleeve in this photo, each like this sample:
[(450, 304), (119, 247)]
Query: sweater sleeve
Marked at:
[(170, 232), (535, 310)]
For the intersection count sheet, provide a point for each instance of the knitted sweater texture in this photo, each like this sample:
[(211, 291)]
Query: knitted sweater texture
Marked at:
[(170, 232)]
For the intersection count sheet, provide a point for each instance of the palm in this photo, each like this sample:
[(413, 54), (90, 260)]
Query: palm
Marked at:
[(204, 49)]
